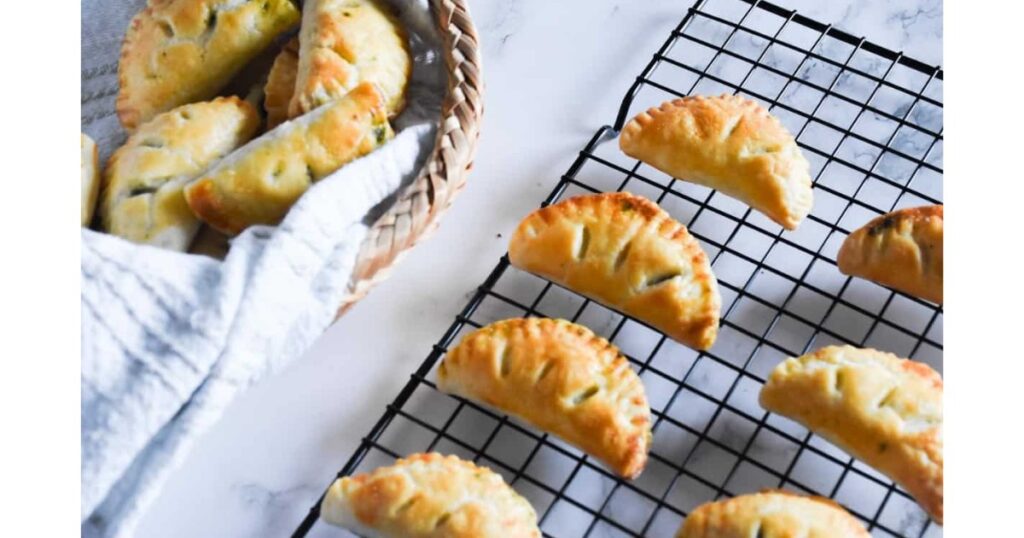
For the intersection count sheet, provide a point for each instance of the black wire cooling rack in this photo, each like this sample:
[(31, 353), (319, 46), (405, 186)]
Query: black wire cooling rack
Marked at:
[(870, 122)]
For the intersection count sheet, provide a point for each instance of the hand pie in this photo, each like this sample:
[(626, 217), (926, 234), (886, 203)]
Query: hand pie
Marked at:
[(771, 514), (281, 84), (183, 51), (563, 379), (883, 410), (626, 252), (259, 183), (142, 185), (346, 42), (902, 250), (90, 178), (429, 495), (728, 143)]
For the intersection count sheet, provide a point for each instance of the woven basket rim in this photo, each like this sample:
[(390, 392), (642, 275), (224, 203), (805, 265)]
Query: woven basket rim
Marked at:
[(419, 207)]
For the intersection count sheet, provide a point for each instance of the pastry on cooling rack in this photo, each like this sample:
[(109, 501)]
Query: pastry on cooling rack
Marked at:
[(883, 410), (563, 379), (771, 514), (346, 42), (185, 51), (429, 495), (280, 87), (90, 178), (902, 249), (142, 198), (259, 183), (624, 251), (728, 143)]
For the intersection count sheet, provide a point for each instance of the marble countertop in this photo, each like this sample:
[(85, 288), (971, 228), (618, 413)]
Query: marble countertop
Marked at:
[(555, 72)]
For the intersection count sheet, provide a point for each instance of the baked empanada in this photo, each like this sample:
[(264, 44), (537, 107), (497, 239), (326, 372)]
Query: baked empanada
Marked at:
[(142, 184), (883, 410), (90, 178), (902, 250), (343, 43), (771, 514), (182, 51), (429, 495), (281, 84), (563, 379), (624, 251), (728, 143), (259, 183)]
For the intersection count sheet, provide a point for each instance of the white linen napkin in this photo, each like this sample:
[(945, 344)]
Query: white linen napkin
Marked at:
[(168, 338)]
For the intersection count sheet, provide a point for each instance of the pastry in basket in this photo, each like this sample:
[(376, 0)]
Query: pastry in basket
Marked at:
[(259, 183), (182, 51), (563, 379), (771, 514), (343, 43), (624, 251), (729, 143), (902, 250), (142, 198), (281, 84), (90, 178), (429, 495), (883, 410)]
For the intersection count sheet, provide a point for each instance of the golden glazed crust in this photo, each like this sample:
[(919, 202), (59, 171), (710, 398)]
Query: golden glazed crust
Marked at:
[(182, 51), (902, 250), (728, 143), (771, 514), (346, 42), (429, 496), (883, 410), (90, 178), (563, 379), (259, 183), (281, 84), (142, 185), (626, 252)]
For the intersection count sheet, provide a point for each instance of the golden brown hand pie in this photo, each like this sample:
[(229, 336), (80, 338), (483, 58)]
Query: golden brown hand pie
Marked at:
[(142, 184), (728, 143), (563, 379), (883, 410), (626, 252), (429, 495), (771, 514), (182, 51), (281, 84), (347, 42), (902, 250), (90, 178), (259, 183)]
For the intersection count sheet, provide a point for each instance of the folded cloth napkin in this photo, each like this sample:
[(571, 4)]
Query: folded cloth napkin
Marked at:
[(168, 338)]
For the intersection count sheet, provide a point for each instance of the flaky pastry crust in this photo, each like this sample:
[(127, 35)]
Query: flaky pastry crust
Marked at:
[(771, 514), (626, 252), (280, 87), (560, 377), (259, 182), (343, 43), (883, 410), (90, 178), (902, 250), (142, 198), (429, 496), (728, 143), (182, 51)]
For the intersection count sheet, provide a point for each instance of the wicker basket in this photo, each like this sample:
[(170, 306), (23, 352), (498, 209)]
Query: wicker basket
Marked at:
[(419, 207)]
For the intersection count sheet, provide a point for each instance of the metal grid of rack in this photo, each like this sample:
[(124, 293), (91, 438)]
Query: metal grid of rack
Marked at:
[(870, 122)]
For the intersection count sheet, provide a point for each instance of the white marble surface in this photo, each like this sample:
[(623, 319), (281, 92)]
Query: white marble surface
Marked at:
[(555, 72)]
